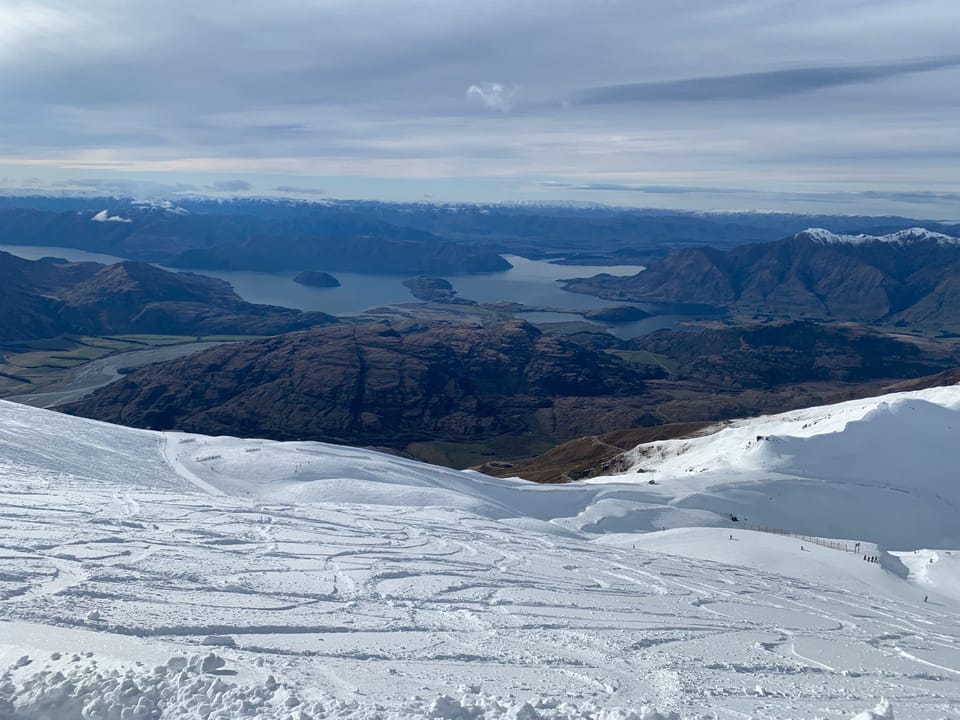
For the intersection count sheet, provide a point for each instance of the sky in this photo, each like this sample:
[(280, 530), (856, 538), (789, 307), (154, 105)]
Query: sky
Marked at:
[(831, 106)]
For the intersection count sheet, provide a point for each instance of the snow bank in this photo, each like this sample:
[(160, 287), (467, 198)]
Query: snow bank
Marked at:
[(177, 689), (883, 711), (183, 688), (880, 469)]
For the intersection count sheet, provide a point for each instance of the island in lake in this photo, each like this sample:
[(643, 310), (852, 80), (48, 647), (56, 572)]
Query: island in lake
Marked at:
[(315, 278), (434, 289)]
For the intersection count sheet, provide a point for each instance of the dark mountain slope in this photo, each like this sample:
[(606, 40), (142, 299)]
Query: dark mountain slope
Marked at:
[(726, 372), (42, 299), (779, 353), (314, 238), (377, 384), (910, 277)]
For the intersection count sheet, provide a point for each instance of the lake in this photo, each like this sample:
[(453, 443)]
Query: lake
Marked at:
[(531, 282)]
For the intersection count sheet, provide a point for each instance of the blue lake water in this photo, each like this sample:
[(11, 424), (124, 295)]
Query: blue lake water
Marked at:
[(531, 282)]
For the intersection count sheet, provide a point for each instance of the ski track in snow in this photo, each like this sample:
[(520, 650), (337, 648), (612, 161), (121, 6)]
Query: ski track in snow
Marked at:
[(120, 549)]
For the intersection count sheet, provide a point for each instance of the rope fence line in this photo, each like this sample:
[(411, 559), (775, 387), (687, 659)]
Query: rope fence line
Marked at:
[(823, 542)]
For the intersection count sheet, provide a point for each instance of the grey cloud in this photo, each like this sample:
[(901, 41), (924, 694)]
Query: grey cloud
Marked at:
[(231, 186), (932, 198), (123, 187), (342, 88), (295, 190), (917, 197), (757, 85), (650, 189)]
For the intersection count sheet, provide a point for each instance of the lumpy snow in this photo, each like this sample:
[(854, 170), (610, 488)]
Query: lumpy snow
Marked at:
[(150, 575)]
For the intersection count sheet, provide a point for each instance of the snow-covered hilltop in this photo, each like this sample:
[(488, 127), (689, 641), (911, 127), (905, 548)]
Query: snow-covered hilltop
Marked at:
[(173, 575), (883, 469), (901, 237)]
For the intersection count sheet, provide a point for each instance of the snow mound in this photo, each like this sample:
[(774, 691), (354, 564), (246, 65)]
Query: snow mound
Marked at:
[(177, 689), (901, 237), (883, 711), (880, 469), (935, 571), (193, 689)]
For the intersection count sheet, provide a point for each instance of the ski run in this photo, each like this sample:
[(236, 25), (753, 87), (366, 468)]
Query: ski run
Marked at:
[(148, 575)]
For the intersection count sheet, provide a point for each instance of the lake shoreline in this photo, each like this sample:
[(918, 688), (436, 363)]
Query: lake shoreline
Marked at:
[(530, 286)]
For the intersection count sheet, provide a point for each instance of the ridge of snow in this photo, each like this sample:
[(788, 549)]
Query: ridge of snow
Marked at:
[(901, 237), (165, 205), (893, 457), (882, 468)]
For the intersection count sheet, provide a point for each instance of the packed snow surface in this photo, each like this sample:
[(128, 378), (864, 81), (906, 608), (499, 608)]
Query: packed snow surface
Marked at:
[(150, 575)]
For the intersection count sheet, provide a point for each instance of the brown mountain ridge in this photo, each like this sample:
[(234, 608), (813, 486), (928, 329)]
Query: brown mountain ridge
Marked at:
[(43, 299)]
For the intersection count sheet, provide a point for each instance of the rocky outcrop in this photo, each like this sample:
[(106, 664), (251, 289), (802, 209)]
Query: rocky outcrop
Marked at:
[(588, 456)]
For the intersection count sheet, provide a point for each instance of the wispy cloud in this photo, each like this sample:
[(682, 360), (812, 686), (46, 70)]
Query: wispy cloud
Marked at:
[(228, 186), (649, 189), (492, 95), (757, 85)]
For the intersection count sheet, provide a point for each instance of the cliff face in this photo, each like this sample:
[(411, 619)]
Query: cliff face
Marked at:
[(374, 384)]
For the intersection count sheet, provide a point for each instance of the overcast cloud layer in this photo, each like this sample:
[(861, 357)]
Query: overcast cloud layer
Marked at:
[(833, 105)]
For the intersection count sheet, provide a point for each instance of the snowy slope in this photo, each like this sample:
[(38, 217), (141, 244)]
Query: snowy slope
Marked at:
[(879, 469), (336, 582)]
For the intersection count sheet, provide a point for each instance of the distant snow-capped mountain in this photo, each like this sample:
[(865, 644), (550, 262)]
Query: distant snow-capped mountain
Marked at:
[(901, 237)]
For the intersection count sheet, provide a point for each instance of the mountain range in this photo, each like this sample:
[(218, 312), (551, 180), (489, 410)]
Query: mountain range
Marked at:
[(314, 237), (378, 237), (906, 278)]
